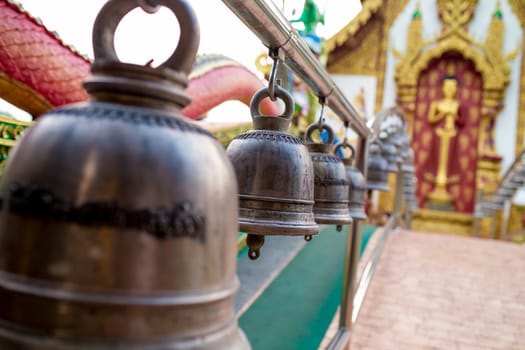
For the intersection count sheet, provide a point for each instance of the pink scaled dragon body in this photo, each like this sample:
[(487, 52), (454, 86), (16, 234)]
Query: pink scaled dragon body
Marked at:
[(38, 71)]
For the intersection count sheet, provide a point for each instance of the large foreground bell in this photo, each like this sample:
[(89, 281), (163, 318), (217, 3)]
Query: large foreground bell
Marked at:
[(357, 189), (118, 228), (331, 181), (377, 171), (275, 176)]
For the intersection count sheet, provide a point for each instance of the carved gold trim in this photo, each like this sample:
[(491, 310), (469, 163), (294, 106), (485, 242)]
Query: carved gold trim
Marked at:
[(22, 96), (488, 60), (518, 8), (10, 131), (496, 77), (443, 222), (488, 165), (14, 121), (369, 8), (395, 8), (456, 13), (216, 62)]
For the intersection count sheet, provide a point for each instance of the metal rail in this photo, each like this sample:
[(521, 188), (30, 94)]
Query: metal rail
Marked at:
[(368, 272), (488, 206), (267, 21), (354, 293)]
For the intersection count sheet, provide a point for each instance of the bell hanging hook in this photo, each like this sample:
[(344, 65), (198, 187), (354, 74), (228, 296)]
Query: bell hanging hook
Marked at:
[(277, 55), (320, 124), (148, 6), (347, 127)]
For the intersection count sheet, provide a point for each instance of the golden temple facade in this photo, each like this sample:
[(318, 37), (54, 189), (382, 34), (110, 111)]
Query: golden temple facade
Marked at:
[(454, 67)]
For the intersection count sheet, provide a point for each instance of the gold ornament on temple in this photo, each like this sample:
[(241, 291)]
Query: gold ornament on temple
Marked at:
[(446, 109)]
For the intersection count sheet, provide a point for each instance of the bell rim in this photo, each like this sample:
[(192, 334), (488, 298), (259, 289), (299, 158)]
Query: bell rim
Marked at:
[(334, 220), (357, 211), (275, 229), (256, 197), (36, 340), (378, 187), (48, 290)]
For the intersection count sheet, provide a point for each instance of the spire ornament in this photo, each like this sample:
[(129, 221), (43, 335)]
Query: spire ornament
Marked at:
[(456, 14)]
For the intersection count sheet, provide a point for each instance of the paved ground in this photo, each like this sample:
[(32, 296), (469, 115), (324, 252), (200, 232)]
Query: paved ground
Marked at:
[(433, 291)]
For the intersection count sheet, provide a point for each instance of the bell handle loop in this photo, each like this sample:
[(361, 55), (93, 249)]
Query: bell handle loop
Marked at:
[(316, 126), (375, 147), (114, 11), (281, 93), (343, 145)]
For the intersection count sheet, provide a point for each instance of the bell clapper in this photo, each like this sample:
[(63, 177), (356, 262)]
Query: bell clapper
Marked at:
[(254, 243), (308, 238), (339, 228)]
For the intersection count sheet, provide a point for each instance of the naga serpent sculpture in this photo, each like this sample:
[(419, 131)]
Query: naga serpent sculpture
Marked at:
[(39, 72)]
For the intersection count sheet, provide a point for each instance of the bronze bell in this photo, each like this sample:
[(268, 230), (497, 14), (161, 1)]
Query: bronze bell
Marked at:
[(408, 187), (515, 182), (331, 181), (407, 167), (484, 209), (518, 180), (275, 177), (357, 187), (118, 227), (377, 171), (506, 192)]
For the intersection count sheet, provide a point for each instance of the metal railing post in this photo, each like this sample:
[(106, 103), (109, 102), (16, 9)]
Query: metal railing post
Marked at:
[(398, 198), (493, 224), (353, 248)]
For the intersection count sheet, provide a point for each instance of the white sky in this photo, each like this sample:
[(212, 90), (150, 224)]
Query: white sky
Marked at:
[(141, 37)]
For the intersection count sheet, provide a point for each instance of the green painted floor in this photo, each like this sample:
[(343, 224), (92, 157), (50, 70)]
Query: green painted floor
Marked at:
[(295, 311)]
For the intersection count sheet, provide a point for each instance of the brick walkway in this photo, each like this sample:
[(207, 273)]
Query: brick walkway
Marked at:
[(434, 291)]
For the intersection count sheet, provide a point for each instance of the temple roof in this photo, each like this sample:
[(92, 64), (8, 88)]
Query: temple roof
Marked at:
[(38, 58), (20, 8), (370, 7)]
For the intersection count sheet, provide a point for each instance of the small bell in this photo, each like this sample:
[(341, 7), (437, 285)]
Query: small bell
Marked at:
[(518, 180), (377, 171), (515, 182), (390, 153), (483, 210), (275, 176), (507, 192), (331, 181), (495, 205), (357, 188), (411, 203), (407, 167), (409, 190)]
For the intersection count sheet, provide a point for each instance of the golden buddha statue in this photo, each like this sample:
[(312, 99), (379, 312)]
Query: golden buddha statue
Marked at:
[(444, 114)]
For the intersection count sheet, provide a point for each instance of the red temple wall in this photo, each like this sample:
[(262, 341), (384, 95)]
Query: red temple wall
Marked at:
[(463, 154)]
